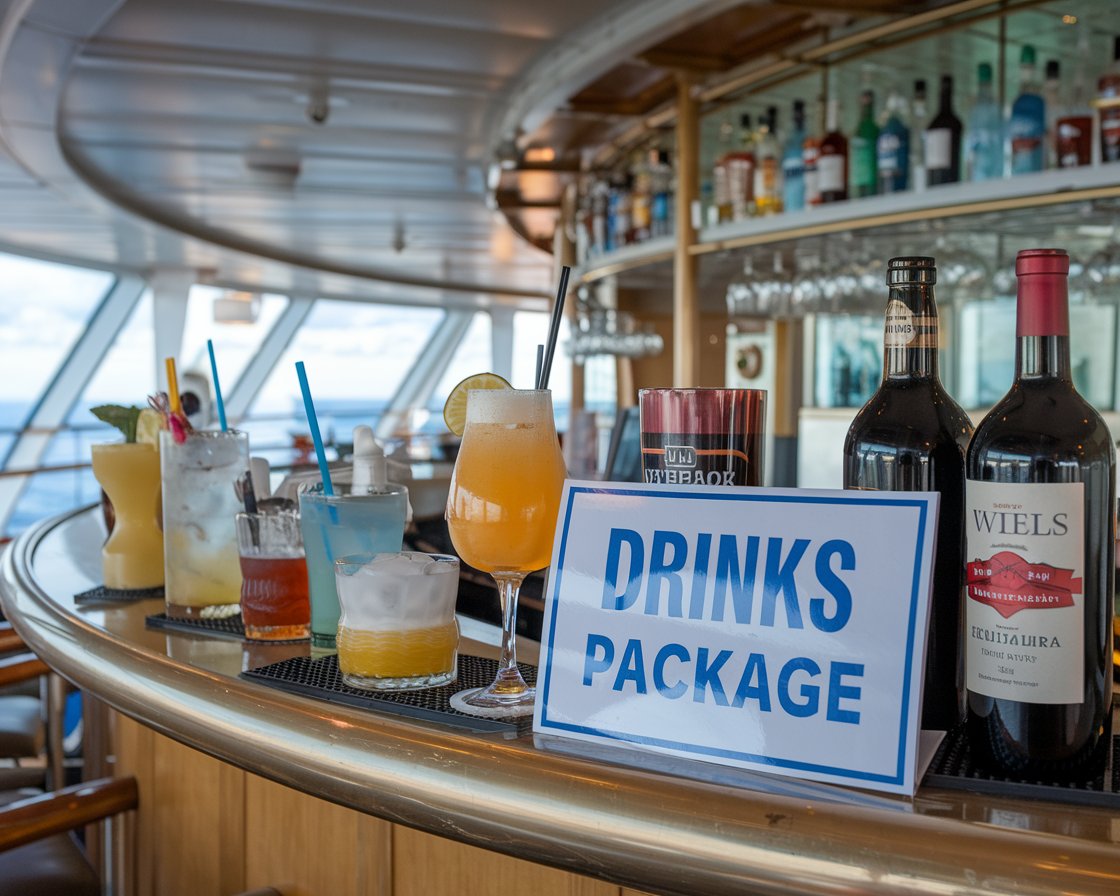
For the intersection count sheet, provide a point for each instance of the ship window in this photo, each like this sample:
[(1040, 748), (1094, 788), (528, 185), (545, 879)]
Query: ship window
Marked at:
[(234, 344), (356, 356), (46, 306)]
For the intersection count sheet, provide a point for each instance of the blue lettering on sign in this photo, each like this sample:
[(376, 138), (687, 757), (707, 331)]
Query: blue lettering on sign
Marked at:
[(662, 569), (631, 667), (592, 663), (672, 568), (612, 600), (676, 651), (799, 687)]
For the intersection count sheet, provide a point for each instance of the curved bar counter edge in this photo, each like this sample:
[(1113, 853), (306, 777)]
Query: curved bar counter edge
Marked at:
[(640, 827)]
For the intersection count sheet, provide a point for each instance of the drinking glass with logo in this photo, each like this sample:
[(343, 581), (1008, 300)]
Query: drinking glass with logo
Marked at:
[(501, 512), (703, 436)]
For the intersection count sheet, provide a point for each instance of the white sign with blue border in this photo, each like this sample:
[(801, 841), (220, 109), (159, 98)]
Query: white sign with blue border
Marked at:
[(781, 630)]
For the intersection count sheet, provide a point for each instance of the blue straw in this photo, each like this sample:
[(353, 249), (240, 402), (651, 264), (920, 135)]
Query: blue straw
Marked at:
[(313, 422), (217, 386)]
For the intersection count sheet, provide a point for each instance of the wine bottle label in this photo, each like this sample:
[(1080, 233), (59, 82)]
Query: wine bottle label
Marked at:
[(939, 148), (1024, 613), (902, 328), (830, 174)]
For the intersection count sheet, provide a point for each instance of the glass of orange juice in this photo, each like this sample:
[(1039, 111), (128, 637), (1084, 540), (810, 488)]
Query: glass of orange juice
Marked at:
[(501, 513), (397, 628), (132, 558)]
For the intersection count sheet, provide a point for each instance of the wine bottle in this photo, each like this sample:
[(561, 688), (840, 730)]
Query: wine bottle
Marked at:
[(1040, 527), (943, 140), (832, 164), (911, 436)]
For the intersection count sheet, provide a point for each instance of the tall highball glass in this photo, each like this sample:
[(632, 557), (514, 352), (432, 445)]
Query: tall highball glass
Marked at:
[(501, 512)]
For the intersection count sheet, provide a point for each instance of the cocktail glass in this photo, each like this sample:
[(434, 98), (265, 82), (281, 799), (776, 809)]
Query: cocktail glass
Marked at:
[(501, 512), (201, 566), (132, 558), (274, 604), (397, 630), (351, 521)]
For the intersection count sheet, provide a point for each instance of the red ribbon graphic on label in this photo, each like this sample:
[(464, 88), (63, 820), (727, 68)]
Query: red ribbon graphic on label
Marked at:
[(1008, 584)]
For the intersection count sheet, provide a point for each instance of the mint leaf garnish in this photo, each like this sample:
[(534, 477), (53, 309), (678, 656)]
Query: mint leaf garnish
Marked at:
[(119, 416)]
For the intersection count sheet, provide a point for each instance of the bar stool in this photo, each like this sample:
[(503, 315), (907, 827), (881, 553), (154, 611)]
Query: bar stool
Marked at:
[(38, 853), (22, 730)]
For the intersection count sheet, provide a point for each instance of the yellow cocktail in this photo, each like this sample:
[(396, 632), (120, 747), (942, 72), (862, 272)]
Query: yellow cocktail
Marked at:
[(132, 558), (412, 653), (501, 512)]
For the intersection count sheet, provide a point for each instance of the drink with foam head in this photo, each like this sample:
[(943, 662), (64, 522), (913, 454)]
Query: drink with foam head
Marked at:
[(397, 626), (501, 512)]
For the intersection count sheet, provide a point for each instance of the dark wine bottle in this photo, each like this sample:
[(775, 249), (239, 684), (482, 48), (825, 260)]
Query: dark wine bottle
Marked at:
[(911, 436), (832, 162), (1040, 527), (943, 140)]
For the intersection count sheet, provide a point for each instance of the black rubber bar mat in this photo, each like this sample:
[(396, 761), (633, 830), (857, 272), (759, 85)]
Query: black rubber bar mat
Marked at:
[(230, 627), (320, 678), (103, 595), (952, 768)]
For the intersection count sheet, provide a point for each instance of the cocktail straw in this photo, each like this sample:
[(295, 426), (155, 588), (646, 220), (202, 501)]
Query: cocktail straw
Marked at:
[(540, 365), (172, 387), (217, 386), (313, 423), (554, 328)]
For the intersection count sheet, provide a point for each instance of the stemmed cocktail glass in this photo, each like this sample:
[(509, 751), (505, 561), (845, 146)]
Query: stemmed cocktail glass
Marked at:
[(501, 512)]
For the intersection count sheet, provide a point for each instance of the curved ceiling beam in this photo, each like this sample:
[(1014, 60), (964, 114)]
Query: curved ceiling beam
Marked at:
[(39, 42), (593, 50)]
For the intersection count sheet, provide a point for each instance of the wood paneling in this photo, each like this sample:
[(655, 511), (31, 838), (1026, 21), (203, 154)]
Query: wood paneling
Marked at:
[(424, 865), (205, 827), (305, 846)]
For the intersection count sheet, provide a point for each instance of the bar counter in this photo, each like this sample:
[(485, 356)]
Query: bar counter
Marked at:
[(657, 825)]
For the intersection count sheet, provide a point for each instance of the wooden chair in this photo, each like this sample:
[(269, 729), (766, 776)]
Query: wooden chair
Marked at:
[(38, 853), (22, 729)]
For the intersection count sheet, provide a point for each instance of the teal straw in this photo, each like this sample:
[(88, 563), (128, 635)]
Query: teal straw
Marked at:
[(217, 386), (313, 422)]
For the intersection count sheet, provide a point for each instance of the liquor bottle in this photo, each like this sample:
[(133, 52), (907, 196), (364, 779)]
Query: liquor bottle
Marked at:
[(832, 165), (911, 436), (1052, 99), (943, 140), (1026, 129), (1108, 92), (721, 182), (661, 187), (1073, 130), (919, 114), (811, 156), (768, 166), (984, 138), (864, 148), (793, 162), (641, 201), (740, 172), (893, 146), (600, 197), (1040, 526)]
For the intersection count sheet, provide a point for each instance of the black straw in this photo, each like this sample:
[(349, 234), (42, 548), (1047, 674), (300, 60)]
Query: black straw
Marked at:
[(540, 365), (554, 328)]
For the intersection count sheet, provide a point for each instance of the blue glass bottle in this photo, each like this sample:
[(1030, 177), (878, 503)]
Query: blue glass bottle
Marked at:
[(893, 146), (793, 162), (984, 142), (1026, 131)]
